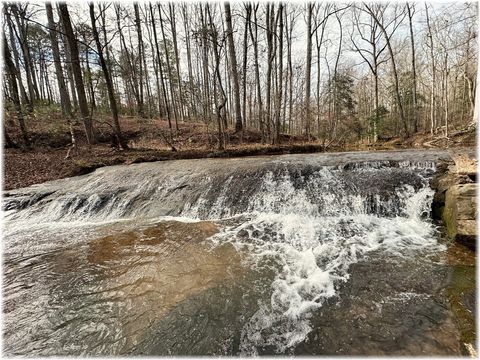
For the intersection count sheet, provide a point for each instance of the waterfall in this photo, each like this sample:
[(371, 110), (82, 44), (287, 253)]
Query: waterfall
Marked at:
[(303, 219), (309, 225), (367, 187)]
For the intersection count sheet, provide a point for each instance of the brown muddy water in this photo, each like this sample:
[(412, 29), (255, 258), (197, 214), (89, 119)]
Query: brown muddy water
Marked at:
[(296, 255)]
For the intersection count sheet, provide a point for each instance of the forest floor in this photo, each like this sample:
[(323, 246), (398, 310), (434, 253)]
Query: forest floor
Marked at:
[(46, 160)]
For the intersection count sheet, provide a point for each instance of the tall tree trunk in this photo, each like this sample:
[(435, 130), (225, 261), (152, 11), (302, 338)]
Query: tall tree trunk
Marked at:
[(141, 54), (132, 78), (257, 72), (446, 92), (91, 90), (32, 90), (169, 68), (335, 78), (244, 69), (77, 73), (375, 121), (280, 75), (206, 87), (233, 68), (108, 80), (270, 57), (432, 87), (394, 69), (12, 82), (318, 43), (160, 68), (41, 77), (47, 82), (148, 89), (148, 99), (290, 71), (160, 95), (221, 103), (414, 69), (23, 94), (69, 66), (193, 109), (23, 29), (285, 96), (177, 60), (64, 96), (308, 68)]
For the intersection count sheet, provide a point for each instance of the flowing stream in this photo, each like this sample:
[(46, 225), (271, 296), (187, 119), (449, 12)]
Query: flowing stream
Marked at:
[(296, 254)]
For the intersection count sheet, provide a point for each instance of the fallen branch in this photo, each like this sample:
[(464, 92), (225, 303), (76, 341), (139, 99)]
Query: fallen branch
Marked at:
[(167, 141), (114, 133)]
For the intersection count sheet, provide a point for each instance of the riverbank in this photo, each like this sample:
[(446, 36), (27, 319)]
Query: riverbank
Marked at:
[(47, 159), (454, 202)]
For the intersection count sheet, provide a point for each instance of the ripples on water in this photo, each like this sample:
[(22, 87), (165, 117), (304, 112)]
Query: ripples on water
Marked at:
[(268, 248)]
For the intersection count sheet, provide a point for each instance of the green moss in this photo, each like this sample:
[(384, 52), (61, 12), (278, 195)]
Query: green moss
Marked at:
[(449, 220)]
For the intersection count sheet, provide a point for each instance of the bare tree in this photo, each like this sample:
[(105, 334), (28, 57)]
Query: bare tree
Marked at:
[(233, 68), (28, 65), (169, 68), (370, 34), (157, 48), (16, 56), (171, 7), (270, 26), (398, 17), (433, 68), (77, 72), (248, 11), (254, 37), (141, 55), (276, 136), (64, 96), (192, 100), (68, 65), (108, 80), (220, 111), (411, 12), (308, 68), (12, 83)]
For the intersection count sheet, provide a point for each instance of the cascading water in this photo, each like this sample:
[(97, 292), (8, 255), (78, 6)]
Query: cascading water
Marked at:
[(302, 220), (310, 225)]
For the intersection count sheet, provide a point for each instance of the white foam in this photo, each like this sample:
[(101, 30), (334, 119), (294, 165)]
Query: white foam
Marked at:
[(314, 250)]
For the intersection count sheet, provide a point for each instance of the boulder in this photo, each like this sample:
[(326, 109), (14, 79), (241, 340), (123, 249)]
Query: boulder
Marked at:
[(459, 213)]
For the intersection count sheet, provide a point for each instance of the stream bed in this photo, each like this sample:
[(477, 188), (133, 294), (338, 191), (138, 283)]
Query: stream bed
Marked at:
[(316, 254)]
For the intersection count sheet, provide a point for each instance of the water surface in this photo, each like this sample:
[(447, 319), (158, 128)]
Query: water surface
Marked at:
[(282, 255)]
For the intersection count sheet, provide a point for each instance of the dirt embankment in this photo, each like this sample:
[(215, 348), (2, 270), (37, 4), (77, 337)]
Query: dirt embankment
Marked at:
[(46, 160)]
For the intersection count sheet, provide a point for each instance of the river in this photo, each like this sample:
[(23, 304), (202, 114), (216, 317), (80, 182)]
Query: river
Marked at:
[(314, 254)]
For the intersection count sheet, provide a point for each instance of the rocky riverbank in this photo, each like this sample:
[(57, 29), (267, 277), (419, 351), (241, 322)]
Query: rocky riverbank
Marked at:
[(455, 197), (455, 206)]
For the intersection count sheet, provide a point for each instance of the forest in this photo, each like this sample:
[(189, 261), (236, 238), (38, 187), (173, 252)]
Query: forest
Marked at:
[(216, 76)]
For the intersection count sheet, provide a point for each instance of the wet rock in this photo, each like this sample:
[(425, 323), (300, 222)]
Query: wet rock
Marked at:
[(459, 214), (393, 313), (444, 178)]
